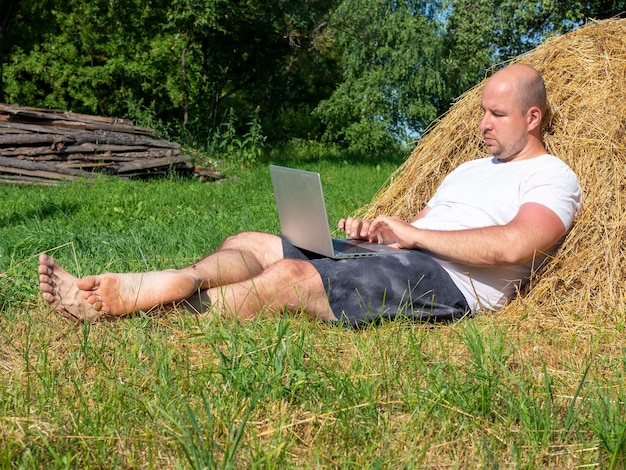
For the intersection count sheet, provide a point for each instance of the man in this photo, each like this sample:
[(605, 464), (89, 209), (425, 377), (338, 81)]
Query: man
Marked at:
[(491, 222)]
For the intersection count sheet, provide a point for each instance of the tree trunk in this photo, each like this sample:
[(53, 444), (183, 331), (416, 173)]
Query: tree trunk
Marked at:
[(183, 60), (7, 9)]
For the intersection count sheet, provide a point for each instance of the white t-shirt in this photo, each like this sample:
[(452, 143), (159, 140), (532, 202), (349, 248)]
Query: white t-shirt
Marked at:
[(487, 192)]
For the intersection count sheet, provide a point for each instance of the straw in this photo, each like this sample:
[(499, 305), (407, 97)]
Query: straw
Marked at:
[(585, 75)]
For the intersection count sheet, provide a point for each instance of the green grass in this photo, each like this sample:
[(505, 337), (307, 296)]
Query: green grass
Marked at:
[(180, 391)]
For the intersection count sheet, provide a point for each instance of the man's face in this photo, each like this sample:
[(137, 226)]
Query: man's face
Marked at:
[(504, 128)]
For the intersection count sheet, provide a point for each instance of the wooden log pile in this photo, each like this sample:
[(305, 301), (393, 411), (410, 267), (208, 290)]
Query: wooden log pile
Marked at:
[(39, 146)]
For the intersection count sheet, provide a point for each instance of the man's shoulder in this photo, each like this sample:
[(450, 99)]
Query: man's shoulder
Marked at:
[(548, 161), (477, 162)]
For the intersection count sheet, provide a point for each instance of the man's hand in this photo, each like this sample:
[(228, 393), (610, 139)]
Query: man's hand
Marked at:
[(361, 229), (385, 230), (355, 228), (392, 231)]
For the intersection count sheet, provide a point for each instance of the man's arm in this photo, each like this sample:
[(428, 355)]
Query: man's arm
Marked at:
[(535, 228)]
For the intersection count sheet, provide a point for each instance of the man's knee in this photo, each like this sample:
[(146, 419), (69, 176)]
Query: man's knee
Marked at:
[(296, 271), (267, 248), (245, 240), (299, 286)]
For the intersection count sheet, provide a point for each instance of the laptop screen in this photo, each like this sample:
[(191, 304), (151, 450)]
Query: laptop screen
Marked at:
[(301, 209)]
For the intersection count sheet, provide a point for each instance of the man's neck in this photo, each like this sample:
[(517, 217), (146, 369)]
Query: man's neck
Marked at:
[(534, 149)]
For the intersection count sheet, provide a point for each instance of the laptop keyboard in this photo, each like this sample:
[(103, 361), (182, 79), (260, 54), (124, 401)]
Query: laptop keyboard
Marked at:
[(347, 247)]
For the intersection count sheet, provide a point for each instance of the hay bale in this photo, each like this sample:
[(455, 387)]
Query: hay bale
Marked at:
[(585, 75)]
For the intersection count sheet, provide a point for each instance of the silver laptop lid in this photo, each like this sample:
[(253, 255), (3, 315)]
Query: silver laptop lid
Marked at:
[(301, 209)]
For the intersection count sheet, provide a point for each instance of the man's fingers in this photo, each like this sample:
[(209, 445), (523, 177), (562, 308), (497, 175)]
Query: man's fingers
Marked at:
[(355, 228)]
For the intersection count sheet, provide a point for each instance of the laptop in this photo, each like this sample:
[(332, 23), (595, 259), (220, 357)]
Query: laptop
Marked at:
[(304, 221)]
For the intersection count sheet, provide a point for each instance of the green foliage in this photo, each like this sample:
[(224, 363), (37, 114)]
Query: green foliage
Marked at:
[(370, 74), (228, 144), (404, 63), (187, 61), (88, 57), (389, 53), (480, 34), (7, 10), (608, 421), (146, 116)]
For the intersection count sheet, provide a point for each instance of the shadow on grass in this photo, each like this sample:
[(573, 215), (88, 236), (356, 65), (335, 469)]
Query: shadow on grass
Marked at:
[(293, 153), (46, 210)]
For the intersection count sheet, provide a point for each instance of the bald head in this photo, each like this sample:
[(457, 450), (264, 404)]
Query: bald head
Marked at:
[(527, 83)]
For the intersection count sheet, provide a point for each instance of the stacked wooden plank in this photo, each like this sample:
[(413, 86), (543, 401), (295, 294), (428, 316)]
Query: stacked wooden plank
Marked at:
[(39, 146)]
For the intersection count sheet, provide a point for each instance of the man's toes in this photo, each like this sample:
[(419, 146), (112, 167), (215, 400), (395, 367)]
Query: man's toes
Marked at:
[(100, 307), (46, 287), (48, 297), (92, 298), (46, 261), (87, 283)]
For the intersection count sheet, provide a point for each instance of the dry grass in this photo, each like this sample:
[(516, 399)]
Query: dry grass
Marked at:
[(585, 74), (469, 395)]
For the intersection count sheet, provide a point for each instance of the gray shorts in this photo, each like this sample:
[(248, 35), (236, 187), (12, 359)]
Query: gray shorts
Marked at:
[(367, 290)]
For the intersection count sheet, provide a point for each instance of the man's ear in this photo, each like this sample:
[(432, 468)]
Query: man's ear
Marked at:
[(534, 116)]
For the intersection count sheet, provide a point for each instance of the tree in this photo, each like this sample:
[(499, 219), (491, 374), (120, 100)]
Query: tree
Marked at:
[(391, 76), (308, 73), (405, 62), (185, 62), (367, 73), (481, 33), (7, 10), (252, 55), (94, 57)]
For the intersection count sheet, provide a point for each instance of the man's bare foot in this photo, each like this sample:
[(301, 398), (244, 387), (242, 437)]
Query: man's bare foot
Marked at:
[(126, 293), (59, 288)]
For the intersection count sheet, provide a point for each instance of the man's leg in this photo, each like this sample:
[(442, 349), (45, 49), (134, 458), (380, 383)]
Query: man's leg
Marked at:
[(239, 258), (289, 284)]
